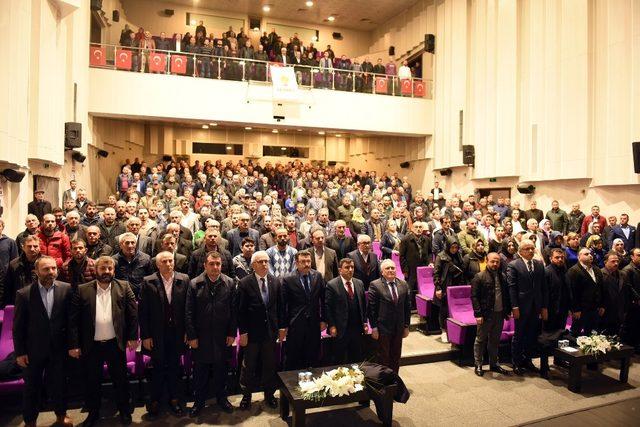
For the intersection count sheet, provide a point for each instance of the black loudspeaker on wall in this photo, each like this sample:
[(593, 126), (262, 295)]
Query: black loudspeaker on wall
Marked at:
[(72, 135), (636, 156), (337, 36), (12, 175), (405, 165), (332, 163), (96, 4), (430, 43), (525, 189), (78, 157), (254, 23), (446, 172), (392, 50), (103, 153), (115, 16), (469, 155), (169, 12)]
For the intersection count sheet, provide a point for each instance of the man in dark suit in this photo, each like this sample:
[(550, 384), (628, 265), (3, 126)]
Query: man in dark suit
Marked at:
[(365, 261), (302, 317), (528, 299), (587, 304), (39, 338), (624, 231), (323, 259), (258, 308), (415, 251), (616, 295), (211, 325), (490, 299), (180, 262), (389, 314), (340, 242), (39, 206), (345, 308), (103, 324), (161, 314)]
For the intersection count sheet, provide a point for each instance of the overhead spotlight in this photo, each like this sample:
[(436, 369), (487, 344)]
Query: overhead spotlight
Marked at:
[(331, 18), (12, 175), (229, 147), (213, 124), (193, 22), (103, 153), (274, 131), (248, 128), (205, 126), (299, 130), (314, 38), (78, 157), (321, 133), (266, 8), (338, 135), (283, 148), (256, 29), (309, 3)]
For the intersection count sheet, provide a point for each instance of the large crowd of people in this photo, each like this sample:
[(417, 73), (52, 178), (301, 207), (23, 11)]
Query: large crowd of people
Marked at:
[(226, 56), (194, 258)]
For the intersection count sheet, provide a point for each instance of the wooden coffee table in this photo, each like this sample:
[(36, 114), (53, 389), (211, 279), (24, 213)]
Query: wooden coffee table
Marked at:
[(291, 398), (577, 359)]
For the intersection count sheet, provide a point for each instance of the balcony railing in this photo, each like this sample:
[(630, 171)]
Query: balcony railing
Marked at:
[(242, 69)]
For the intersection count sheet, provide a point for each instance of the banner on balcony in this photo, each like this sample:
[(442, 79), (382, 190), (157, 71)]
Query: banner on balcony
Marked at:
[(285, 85), (157, 62), (381, 85), (123, 59), (178, 64), (97, 56), (405, 87), (418, 88)]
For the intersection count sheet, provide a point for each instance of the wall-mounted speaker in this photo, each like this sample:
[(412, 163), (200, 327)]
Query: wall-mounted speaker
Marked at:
[(166, 158), (254, 22), (72, 135), (332, 163), (405, 165), (429, 43), (525, 189), (337, 36), (96, 4), (103, 153), (13, 175), (636, 156), (392, 50), (469, 155), (169, 12), (115, 16), (78, 157), (446, 172)]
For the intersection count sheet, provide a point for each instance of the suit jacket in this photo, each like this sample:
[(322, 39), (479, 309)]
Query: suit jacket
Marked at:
[(82, 323), (330, 262), (256, 319), (66, 195), (152, 307), (617, 233), (34, 333), (527, 292), (39, 209), (361, 272), (180, 263), (211, 316), (586, 294), (337, 304), (297, 309), (483, 294), (389, 318), (348, 245)]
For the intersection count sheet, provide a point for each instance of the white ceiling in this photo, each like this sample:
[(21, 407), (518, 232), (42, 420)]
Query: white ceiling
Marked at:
[(363, 15)]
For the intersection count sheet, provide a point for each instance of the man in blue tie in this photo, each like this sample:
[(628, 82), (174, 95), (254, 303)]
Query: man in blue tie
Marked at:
[(302, 318)]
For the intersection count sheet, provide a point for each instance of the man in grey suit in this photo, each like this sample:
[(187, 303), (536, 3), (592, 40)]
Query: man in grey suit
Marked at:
[(389, 314), (323, 259), (345, 308), (529, 299)]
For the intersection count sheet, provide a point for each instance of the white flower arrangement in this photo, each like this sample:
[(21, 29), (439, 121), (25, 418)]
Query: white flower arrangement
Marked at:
[(341, 381), (596, 344)]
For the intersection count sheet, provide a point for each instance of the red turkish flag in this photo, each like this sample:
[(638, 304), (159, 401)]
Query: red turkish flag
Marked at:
[(157, 62), (405, 86), (418, 88), (97, 56), (179, 64), (381, 85), (123, 59)]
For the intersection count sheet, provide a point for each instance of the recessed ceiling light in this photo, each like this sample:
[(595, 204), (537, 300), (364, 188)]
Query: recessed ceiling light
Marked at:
[(247, 128), (213, 124), (229, 147), (205, 126), (321, 133), (299, 130), (314, 38), (193, 22), (309, 3), (275, 131), (338, 135), (331, 18), (266, 8), (283, 148)]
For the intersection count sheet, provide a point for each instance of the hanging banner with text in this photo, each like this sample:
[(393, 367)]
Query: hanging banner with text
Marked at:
[(285, 86)]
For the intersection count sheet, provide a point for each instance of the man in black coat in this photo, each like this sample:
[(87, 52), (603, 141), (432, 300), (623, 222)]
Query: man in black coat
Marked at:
[(39, 206), (616, 295), (39, 338), (631, 327), (528, 298), (95, 246), (132, 265), (302, 317), (389, 314), (340, 242), (559, 293), (103, 324), (161, 314), (345, 308), (258, 310), (197, 259), (365, 261), (110, 229), (587, 304), (21, 271), (211, 325), (490, 300), (180, 262), (415, 251)]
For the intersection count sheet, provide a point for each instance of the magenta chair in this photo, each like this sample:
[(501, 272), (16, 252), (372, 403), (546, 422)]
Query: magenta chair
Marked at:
[(460, 313), (396, 259), (426, 291), (375, 247), (347, 232), (508, 329), (6, 347)]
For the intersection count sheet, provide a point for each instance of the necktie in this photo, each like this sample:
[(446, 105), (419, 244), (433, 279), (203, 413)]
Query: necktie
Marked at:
[(350, 290), (307, 288), (530, 266), (394, 293), (263, 291)]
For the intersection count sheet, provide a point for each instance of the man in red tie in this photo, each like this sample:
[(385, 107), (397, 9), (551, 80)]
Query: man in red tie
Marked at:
[(345, 309), (389, 314)]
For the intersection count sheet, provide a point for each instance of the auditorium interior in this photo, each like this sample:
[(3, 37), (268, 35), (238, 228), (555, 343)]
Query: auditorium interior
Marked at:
[(529, 100)]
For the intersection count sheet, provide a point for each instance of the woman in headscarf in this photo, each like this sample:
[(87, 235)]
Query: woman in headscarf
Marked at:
[(357, 222), (555, 241), (545, 229), (572, 249), (596, 246), (390, 241), (448, 271), (475, 261), (508, 253), (623, 255)]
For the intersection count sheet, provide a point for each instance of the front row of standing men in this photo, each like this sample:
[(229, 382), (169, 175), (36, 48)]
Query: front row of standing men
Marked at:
[(99, 321)]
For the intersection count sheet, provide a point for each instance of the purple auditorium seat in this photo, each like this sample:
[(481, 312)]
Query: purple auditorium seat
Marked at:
[(426, 290), (396, 259), (569, 322), (460, 313), (375, 247), (347, 232), (6, 347), (134, 363), (508, 329)]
